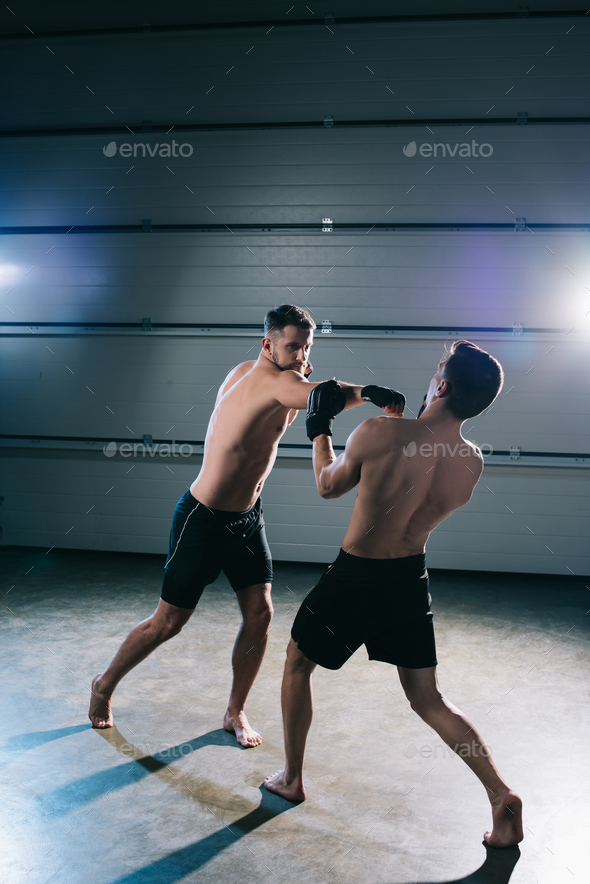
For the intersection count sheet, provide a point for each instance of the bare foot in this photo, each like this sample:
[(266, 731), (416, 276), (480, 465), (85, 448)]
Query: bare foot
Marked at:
[(292, 791), (100, 707), (507, 821), (240, 726)]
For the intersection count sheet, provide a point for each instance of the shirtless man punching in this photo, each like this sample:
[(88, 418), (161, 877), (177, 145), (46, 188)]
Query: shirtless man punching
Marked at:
[(410, 475), (218, 523)]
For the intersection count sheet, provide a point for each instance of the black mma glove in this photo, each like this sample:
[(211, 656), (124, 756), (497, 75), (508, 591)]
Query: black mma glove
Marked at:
[(324, 403), (308, 370), (423, 406), (382, 396)]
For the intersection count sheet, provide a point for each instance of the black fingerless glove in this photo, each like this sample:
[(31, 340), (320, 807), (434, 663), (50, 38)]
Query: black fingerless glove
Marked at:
[(324, 403), (308, 370), (382, 396)]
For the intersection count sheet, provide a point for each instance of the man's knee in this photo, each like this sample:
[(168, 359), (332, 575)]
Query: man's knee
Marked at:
[(422, 689), (424, 703), (169, 626), (261, 617), (297, 661), (257, 613), (169, 629)]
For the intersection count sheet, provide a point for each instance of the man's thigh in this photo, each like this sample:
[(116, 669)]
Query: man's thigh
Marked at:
[(296, 659), (419, 683), (246, 560), (171, 615), (328, 627)]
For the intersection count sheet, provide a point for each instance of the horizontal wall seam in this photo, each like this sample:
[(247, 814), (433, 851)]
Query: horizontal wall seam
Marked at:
[(283, 445), (138, 129), (444, 329), (148, 28), (270, 227)]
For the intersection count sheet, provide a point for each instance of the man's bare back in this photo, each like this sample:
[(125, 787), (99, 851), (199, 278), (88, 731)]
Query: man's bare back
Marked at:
[(414, 474)]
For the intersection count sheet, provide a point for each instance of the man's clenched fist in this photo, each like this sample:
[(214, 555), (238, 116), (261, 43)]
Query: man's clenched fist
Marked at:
[(324, 403), (384, 396)]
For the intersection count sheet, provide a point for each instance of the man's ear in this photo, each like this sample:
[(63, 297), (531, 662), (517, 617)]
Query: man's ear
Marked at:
[(443, 390), (266, 344)]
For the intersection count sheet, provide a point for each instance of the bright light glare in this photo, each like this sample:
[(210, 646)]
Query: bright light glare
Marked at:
[(9, 273)]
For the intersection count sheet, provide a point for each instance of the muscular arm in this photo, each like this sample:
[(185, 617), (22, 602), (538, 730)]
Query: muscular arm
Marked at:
[(353, 395), (293, 391), (336, 476)]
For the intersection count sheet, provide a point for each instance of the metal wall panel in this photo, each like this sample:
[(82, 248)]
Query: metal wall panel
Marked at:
[(91, 502), (447, 279), (438, 69), (298, 176), (125, 387), (111, 387)]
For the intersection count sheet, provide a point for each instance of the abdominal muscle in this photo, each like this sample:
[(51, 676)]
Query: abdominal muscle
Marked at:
[(232, 480)]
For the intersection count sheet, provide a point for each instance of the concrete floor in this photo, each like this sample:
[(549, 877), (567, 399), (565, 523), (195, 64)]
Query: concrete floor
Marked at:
[(168, 796)]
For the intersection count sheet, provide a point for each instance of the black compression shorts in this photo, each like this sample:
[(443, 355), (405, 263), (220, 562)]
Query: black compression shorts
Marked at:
[(204, 542), (381, 603)]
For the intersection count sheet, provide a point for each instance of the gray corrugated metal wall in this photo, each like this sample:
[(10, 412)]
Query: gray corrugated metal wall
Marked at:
[(521, 518), (122, 387)]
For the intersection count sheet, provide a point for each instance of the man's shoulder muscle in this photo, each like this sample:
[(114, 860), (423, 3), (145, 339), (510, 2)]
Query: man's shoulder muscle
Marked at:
[(234, 375), (382, 429), (242, 368), (366, 439)]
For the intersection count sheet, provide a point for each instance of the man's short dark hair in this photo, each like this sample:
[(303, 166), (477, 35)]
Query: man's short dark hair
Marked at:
[(287, 314), (475, 378)]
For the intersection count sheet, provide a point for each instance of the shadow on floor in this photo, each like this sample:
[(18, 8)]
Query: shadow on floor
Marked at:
[(496, 869), (142, 764), (24, 742), (176, 866)]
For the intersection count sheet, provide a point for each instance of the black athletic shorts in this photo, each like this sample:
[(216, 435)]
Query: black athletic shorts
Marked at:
[(383, 604), (204, 542)]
